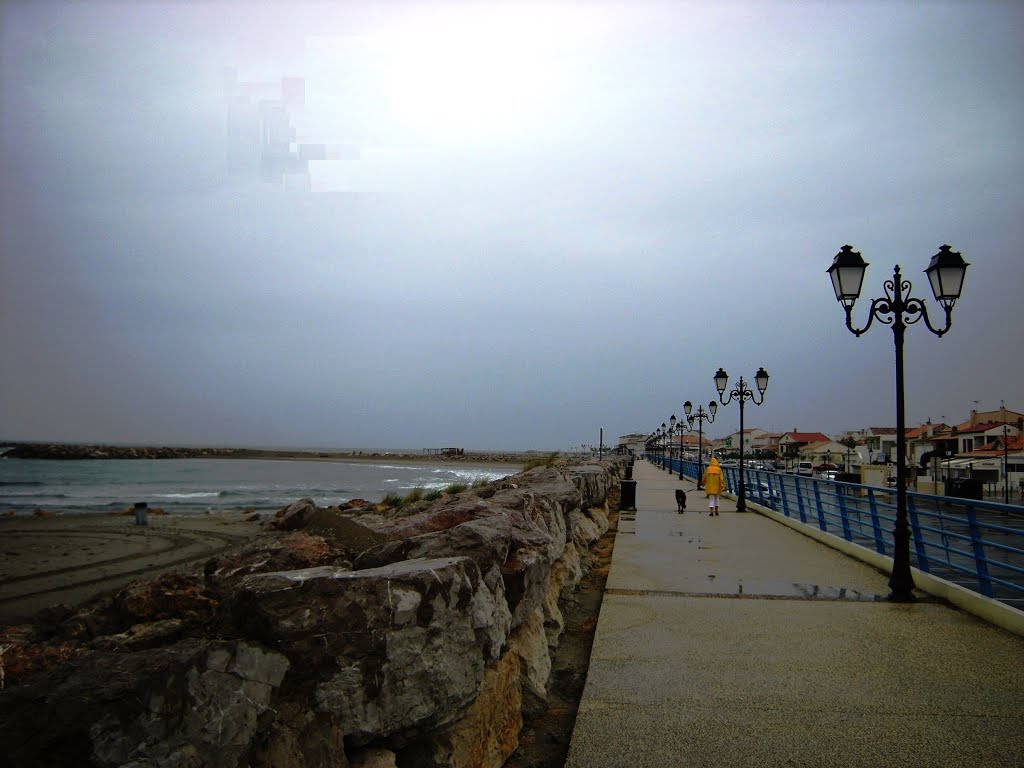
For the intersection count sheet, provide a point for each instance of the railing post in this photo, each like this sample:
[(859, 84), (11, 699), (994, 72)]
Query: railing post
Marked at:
[(915, 529), (840, 493), (785, 497), (980, 563), (818, 507), (876, 524), (799, 498)]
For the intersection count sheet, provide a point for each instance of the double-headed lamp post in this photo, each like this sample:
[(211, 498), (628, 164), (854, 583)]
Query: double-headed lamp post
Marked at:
[(685, 425), (742, 392), (700, 416), (897, 308)]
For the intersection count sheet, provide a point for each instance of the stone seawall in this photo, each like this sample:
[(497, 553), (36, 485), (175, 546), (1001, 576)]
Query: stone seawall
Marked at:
[(365, 637)]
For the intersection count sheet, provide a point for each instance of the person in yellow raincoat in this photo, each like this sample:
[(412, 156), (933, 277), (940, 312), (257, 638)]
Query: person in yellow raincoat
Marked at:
[(714, 484)]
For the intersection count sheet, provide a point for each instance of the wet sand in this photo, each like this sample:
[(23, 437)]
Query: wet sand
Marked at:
[(70, 558)]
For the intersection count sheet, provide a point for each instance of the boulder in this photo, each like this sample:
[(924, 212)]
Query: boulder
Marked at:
[(393, 650), (344, 531), (529, 642), (487, 734), (599, 515), (525, 575), (485, 540), (290, 552), (294, 516), (586, 533), (195, 703), (299, 737), (569, 570), (441, 515)]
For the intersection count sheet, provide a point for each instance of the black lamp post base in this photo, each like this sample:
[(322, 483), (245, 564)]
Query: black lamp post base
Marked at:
[(901, 597)]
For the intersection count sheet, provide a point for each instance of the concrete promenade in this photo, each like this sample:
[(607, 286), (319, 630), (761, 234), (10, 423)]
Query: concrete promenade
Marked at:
[(734, 641)]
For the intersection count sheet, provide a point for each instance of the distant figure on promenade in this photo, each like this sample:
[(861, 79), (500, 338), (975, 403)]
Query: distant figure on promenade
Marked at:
[(714, 484)]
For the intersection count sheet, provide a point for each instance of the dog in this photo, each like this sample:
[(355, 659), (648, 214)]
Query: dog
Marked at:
[(681, 500)]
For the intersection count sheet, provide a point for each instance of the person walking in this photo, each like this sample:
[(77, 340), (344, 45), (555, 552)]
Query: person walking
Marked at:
[(714, 484)]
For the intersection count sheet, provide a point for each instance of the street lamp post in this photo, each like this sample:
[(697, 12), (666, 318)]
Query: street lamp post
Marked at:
[(742, 392), (671, 438), (700, 416), (897, 308), (664, 437)]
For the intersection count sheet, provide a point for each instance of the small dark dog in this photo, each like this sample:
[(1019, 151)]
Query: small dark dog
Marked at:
[(681, 499)]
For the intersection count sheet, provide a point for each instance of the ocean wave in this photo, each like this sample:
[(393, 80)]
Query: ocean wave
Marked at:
[(21, 482), (197, 495)]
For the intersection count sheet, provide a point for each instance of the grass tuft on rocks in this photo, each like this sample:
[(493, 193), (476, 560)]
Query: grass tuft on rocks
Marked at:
[(541, 461)]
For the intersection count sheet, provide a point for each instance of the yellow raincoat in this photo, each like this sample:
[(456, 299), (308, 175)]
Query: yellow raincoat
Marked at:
[(714, 480)]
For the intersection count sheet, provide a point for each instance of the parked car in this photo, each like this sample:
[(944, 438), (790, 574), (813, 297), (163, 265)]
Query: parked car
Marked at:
[(805, 468), (772, 498)]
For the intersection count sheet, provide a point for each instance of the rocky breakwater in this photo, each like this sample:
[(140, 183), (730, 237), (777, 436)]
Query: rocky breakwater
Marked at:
[(412, 637), (69, 452)]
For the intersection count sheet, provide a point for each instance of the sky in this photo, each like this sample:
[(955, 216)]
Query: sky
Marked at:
[(497, 226)]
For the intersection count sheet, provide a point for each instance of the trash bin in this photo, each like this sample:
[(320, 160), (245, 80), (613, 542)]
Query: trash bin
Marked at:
[(141, 509), (627, 496)]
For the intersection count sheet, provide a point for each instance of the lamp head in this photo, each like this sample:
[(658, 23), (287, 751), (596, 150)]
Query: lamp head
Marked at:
[(847, 273), (721, 381), (761, 380), (714, 408), (687, 408), (946, 274), (672, 422)]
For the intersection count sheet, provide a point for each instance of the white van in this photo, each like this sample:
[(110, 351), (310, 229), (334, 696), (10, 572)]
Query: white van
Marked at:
[(805, 468)]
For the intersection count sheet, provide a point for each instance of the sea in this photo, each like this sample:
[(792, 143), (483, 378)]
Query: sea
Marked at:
[(96, 486)]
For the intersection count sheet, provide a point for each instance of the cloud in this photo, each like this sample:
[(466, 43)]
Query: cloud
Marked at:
[(525, 225)]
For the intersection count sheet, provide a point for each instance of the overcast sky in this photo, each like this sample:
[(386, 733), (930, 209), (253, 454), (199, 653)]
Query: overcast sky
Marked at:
[(496, 227)]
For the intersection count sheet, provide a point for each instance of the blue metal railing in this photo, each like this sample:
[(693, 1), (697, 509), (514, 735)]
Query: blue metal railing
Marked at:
[(976, 544)]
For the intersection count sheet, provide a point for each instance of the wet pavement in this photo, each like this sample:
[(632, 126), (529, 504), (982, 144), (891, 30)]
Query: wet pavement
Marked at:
[(736, 641)]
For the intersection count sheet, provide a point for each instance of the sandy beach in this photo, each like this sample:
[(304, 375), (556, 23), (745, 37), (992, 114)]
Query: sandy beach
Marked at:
[(70, 558)]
